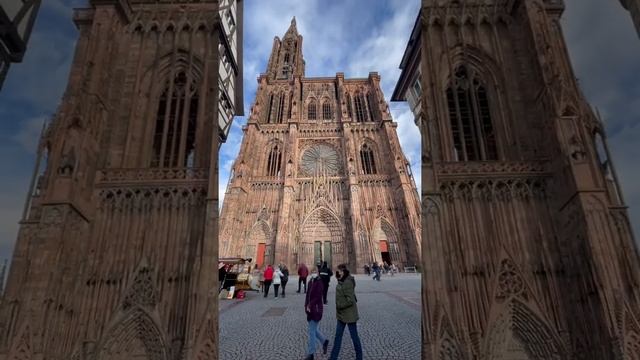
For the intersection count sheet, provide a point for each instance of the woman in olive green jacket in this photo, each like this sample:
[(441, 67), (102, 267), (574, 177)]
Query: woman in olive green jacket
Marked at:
[(346, 312)]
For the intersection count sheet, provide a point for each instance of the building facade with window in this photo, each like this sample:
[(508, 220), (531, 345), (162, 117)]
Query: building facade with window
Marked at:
[(16, 21), (528, 251), (409, 86), (117, 250), (320, 174)]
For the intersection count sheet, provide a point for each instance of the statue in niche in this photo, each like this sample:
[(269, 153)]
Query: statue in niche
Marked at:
[(67, 163), (575, 148)]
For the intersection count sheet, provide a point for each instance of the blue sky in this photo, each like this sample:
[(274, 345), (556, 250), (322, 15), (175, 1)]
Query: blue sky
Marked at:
[(354, 37)]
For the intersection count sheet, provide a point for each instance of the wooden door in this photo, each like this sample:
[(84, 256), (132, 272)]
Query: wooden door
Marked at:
[(260, 255)]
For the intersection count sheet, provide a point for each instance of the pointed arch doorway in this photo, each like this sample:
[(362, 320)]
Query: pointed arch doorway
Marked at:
[(322, 238), (258, 247), (386, 240)]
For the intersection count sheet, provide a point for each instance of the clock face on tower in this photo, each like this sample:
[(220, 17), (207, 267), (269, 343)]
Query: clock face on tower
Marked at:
[(318, 159)]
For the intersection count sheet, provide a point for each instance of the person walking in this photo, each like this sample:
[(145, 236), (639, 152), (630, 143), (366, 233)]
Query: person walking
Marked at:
[(376, 271), (303, 272), (346, 312), (285, 277), (367, 270), (325, 275), (268, 278), (277, 280), (313, 307)]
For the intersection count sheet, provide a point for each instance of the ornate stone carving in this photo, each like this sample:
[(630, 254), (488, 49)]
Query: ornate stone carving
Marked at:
[(510, 283), (320, 159), (125, 176), (141, 291)]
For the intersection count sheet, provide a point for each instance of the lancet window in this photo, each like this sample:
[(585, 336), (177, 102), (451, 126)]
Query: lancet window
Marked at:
[(367, 160), (361, 112), (326, 110), (472, 129), (269, 110), (274, 161), (175, 127), (311, 110), (281, 108)]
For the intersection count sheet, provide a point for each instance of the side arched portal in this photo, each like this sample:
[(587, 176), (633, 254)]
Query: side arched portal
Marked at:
[(385, 239), (259, 247), (135, 336)]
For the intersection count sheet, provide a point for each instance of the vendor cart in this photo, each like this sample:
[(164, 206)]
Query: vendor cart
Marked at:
[(235, 272)]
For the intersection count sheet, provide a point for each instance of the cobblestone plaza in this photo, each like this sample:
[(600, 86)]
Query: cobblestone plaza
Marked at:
[(389, 325)]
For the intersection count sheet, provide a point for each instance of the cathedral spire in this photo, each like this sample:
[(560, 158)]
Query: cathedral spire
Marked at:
[(286, 58), (293, 29)]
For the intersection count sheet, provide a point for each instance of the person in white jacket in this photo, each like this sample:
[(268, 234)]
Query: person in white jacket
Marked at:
[(277, 279)]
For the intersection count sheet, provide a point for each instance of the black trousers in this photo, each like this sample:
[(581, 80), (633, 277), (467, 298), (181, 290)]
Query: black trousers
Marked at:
[(326, 289), (275, 287), (267, 285), (284, 284), (303, 281)]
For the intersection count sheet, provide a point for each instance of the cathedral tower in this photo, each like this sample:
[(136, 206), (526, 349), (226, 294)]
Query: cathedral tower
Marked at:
[(320, 174), (528, 250), (116, 253)]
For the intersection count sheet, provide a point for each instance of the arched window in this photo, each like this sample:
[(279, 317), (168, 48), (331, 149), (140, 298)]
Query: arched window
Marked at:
[(326, 110), (274, 161), (286, 58), (311, 110), (349, 106), (281, 108), (269, 109), (175, 128), (361, 114), (370, 102), (472, 130), (367, 160)]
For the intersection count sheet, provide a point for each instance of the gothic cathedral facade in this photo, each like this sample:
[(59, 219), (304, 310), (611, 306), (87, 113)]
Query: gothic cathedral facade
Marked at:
[(320, 174), (528, 250), (116, 254)]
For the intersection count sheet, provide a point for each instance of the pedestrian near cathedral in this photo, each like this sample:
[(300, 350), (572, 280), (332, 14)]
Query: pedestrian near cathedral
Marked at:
[(285, 277), (325, 275), (346, 312), (268, 278), (376, 271), (303, 272), (314, 308), (277, 280)]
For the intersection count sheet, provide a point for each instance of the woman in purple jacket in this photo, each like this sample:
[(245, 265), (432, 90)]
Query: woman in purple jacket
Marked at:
[(313, 307)]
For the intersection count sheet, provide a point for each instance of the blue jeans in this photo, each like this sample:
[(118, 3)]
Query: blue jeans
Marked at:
[(314, 334), (353, 330)]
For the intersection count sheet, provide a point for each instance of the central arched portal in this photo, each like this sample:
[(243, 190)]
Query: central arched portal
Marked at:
[(322, 238)]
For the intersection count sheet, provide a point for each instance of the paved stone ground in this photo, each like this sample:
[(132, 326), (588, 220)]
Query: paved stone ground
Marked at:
[(389, 325)]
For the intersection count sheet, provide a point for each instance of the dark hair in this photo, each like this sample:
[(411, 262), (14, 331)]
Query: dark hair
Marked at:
[(343, 270)]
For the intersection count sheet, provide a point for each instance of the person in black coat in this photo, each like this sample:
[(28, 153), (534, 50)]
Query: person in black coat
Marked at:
[(285, 278), (325, 275)]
